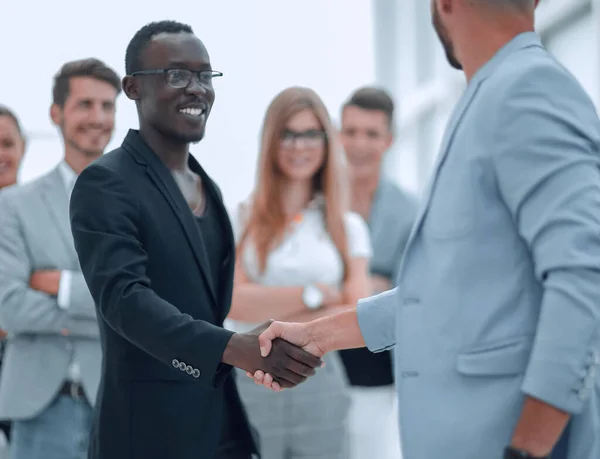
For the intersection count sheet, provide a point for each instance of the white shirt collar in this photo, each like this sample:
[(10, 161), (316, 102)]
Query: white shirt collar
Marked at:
[(68, 176)]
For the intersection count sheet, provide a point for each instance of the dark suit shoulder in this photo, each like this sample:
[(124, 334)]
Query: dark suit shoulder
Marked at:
[(118, 160), (121, 164)]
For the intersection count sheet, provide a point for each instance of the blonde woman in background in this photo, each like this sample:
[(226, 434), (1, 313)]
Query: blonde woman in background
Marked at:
[(301, 255)]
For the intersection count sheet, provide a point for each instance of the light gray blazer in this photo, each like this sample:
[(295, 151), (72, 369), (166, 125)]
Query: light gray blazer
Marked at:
[(35, 234), (390, 222), (499, 288)]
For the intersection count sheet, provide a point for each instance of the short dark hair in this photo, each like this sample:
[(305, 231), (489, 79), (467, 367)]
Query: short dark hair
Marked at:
[(143, 36), (372, 98), (90, 67), (5, 111)]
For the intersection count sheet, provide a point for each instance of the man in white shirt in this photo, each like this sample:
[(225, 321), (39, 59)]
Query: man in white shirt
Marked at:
[(51, 369)]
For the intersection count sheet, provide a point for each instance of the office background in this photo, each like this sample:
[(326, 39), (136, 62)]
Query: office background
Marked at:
[(415, 70), (262, 47)]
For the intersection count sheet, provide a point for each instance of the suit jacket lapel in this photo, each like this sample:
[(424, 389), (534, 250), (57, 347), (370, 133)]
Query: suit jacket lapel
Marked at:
[(165, 182), (451, 128), (227, 266), (522, 41), (56, 200)]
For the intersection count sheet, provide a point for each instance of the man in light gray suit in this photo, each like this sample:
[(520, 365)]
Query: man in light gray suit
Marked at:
[(496, 316), (51, 369)]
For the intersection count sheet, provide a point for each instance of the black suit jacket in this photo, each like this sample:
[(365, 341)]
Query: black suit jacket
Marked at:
[(163, 386)]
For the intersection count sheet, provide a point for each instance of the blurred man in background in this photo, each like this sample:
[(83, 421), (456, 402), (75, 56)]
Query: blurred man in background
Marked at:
[(367, 133), (51, 369)]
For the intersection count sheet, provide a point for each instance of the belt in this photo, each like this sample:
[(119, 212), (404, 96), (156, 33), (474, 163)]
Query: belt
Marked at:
[(72, 389)]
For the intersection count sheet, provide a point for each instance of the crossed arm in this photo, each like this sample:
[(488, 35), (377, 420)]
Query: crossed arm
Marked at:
[(28, 300)]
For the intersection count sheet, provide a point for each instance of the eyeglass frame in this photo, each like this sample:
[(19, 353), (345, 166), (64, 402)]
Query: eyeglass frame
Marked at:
[(292, 141), (214, 74)]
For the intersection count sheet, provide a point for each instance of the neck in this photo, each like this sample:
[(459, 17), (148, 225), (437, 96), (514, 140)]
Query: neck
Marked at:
[(77, 160), (295, 196), (7, 184), (497, 32), (174, 154), (364, 186)]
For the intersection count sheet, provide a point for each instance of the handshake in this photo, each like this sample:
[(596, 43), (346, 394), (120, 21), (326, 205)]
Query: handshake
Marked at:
[(276, 355)]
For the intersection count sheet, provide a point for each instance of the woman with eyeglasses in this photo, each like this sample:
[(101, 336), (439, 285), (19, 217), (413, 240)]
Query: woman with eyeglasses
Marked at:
[(301, 255), (12, 149)]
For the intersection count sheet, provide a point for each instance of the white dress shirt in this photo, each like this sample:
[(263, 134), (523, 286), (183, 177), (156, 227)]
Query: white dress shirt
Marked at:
[(306, 254), (68, 176)]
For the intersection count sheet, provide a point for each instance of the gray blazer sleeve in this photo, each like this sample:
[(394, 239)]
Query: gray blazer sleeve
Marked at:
[(22, 309), (547, 165), (81, 302), (377, 320)]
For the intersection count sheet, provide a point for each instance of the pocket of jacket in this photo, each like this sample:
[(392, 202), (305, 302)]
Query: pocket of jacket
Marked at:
[(502, 358)]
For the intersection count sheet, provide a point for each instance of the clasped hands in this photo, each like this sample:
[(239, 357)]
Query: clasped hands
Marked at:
[(279, 363)]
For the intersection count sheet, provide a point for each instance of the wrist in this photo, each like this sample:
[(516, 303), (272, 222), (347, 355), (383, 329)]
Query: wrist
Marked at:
[(527, 449), (321, 334), (539, 427), (233, 353), (513, 452)]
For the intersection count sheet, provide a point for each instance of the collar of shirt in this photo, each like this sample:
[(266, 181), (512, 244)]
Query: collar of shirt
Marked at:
[(68, 176)]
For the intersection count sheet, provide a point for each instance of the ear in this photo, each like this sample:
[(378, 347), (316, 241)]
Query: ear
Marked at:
[(131, 88), (56, 114), (389, 139), (445, 6)]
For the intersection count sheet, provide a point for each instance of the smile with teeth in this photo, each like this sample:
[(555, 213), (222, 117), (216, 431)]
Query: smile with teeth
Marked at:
[(299, 161), (193, 111)]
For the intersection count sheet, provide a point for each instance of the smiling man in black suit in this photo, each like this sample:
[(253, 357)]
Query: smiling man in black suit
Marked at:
[(156, 249)]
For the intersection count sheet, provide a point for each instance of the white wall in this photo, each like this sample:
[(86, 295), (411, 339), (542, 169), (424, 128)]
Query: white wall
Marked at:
[(427, 88), (262, 46)]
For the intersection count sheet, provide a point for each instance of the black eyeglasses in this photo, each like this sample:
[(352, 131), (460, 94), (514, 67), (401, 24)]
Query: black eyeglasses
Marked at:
[(312, 138), (181, 78)]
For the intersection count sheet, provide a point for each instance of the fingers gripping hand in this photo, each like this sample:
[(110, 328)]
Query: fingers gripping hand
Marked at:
[(297, 335)]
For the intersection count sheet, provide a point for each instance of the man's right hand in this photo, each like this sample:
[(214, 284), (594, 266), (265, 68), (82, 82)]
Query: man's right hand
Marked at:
[(288, 364), (296, 333), (47, 281)]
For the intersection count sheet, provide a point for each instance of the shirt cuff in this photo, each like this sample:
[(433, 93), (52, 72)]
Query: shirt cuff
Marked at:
[(377, 320), (64, 290)]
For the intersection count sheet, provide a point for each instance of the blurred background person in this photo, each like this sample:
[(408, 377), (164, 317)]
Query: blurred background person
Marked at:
[(12, 149), (301, 255), (51, 370), (367, 121)]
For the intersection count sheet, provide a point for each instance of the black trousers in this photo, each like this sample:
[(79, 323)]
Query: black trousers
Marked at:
[(5, 427)]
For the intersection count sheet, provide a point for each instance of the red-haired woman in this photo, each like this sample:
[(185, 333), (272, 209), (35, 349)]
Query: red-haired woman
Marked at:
[(301, 255)]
